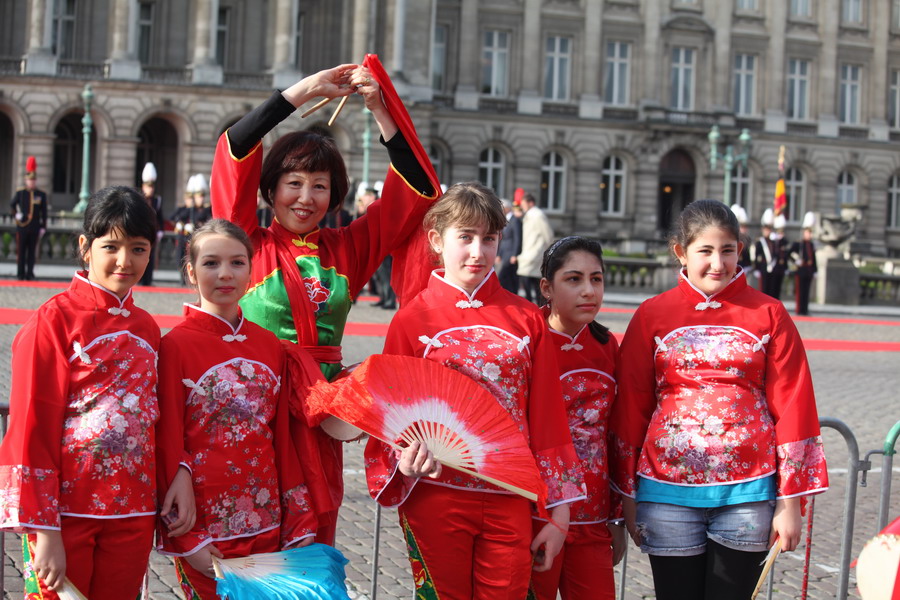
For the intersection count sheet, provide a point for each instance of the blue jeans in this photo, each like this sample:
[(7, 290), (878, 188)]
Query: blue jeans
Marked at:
[(670, 530)]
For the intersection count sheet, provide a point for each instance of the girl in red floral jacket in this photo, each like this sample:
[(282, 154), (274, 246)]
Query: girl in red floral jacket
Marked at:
[(572, 285), (715, 434), (77, 467), (224, 419), (467, 538)]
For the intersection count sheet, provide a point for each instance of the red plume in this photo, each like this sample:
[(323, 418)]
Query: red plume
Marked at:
[(31, 164)]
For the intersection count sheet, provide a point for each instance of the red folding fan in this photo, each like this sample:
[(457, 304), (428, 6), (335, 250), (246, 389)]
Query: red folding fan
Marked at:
[(401, 399)]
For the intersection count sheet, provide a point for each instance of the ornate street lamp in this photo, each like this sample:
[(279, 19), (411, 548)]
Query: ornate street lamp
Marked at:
[(88, 96), (729, 157)]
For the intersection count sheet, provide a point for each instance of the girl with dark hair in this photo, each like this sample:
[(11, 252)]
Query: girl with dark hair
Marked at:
[(77, 467), (572, 287), (467, 538), (715, 435), (304, 278), (222, 413)]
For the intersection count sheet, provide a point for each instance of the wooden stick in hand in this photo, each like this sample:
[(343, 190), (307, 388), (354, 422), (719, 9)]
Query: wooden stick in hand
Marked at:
[(318, 105), (337, 111)]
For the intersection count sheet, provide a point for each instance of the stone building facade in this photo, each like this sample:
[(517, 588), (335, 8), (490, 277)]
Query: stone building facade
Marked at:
[(602, 108)]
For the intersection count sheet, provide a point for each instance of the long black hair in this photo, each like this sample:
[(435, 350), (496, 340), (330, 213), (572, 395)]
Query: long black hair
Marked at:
[(555, 257)]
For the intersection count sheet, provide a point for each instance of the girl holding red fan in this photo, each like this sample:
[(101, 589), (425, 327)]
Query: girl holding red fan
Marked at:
[(572, 285), (224, 419), (467, 538), (77, 467), (715, 435)]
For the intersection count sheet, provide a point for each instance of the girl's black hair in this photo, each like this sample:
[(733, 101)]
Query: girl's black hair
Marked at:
[(555, 258), (700, 215), (118, 208)]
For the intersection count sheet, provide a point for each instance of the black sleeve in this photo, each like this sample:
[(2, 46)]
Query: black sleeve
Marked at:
[(247, 132), (404, 160)]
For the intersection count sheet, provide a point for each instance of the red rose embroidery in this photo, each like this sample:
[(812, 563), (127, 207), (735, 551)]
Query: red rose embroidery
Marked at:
[(317, 292)]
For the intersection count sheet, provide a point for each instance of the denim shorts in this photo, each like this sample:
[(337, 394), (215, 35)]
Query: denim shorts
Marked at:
[(671, 530)]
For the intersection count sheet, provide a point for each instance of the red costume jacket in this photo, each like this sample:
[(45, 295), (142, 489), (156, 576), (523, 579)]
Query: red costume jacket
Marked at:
[(82, 412), (500, 341), (222, 411), (715, 390), (588, 383)]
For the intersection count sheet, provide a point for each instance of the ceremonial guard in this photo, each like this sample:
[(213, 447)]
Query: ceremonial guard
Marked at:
[(29, 208), (803, 257), (148, 187)]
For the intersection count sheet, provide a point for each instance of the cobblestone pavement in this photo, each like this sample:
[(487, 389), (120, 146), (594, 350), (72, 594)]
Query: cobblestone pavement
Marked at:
[(859, 388)]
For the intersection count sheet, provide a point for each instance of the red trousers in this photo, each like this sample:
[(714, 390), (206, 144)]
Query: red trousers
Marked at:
[(327, 528), (467, 545), (582, 570), (199, 586), (106, 559)]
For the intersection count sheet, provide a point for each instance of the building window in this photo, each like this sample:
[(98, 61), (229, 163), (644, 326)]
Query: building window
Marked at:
[(682, 97), (740, 186), (298, 42), (437, 156), (895, 15), (145, 32), (616, 86), (849, 94), (894, 202), (553, 182), (492, 170), (439, 58), (63, 35), (801, 8), (222, 36), (894, 100), (557, 68), (846, 190), (795, 192), (495, 63), (746, 5), (851, 12), (612, 186), (744, 83), (798, 89)]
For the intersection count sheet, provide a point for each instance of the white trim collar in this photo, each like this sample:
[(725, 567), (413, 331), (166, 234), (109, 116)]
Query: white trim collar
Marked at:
[(234, 336), (471, 302), (708, 301), (113, 310)]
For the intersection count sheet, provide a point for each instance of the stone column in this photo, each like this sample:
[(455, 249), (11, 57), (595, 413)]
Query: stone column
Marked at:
[(651, 92), (122, 63), (828, 69), (721, 64), (466, 97), (532, 60), (880, 23), (204, 70), (39, 60), (284, 72), (590, 105), (770, 71), (397, 64)]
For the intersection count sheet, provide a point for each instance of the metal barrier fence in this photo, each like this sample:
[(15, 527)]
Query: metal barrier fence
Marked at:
[(855, 467)]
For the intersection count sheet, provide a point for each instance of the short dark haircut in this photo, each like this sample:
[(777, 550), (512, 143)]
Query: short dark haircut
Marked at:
[(304, 151), (118, 208)]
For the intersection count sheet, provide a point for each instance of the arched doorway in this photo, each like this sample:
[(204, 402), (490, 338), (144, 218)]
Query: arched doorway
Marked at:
[(158, 143), (8, 179), (676, 188), (68, 150)]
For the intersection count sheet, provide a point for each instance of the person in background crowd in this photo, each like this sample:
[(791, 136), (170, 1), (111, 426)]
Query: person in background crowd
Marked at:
[(780, 248), (537, 235), (154, 200), (29, 209), (510, 248), (762, 255), (803, 258), (746, 258)]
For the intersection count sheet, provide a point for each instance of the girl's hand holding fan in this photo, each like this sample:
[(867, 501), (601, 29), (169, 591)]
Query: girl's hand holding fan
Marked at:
[(417, 460), (202, 560), (49, 561), (418, 401)]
